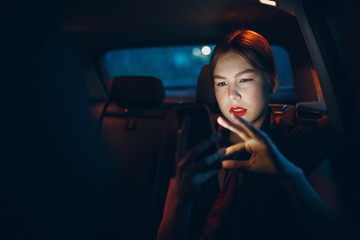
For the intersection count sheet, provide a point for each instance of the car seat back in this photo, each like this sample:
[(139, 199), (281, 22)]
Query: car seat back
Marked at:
[(131, 127)]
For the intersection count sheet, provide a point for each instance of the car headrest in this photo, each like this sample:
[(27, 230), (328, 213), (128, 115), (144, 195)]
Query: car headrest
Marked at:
[(137, 92), (205, 93), (312, 110)]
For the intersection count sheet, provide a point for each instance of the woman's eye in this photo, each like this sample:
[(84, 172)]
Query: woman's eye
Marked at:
[(221, 84), (245, 80)]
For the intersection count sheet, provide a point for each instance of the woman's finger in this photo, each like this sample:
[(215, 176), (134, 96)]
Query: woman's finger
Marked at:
[(236, 128), (197, 150), (239, 147), (233, 164), (207, 162), (245, 125), (202, 146), (200, 178), (210, 160), (255, 132)]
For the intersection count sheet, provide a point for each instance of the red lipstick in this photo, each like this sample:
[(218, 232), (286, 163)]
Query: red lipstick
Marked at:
[(238, 110)]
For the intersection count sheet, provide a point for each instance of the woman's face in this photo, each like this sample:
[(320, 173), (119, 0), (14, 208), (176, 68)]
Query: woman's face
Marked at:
[(240, 88)]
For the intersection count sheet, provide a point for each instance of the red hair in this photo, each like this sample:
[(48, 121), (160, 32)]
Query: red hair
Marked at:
[(253, 47)]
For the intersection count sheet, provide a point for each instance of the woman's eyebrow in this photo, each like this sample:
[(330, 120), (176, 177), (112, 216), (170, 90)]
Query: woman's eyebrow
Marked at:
[(218, 77), (250, 70)]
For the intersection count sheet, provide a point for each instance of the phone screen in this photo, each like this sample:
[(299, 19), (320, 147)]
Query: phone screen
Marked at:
[(201, 127)]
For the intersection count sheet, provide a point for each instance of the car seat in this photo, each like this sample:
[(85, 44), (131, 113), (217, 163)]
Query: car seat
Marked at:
[(131, 128)]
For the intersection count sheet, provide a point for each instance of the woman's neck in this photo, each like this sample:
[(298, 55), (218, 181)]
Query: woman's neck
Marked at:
[(260, 121), (234, 138)]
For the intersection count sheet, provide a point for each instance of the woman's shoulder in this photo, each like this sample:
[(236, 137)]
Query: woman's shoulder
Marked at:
[(303, 146)]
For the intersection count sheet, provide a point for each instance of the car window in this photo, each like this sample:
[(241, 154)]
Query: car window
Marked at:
[(283, 68), (179, 66)]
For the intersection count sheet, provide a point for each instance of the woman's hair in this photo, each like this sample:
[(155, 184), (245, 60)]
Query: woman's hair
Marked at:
[(253, 47)]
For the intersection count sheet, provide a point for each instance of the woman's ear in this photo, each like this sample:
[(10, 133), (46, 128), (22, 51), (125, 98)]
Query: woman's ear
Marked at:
[(275, 83)]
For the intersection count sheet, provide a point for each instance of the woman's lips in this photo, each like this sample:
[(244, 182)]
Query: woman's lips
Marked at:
[(238, 110)]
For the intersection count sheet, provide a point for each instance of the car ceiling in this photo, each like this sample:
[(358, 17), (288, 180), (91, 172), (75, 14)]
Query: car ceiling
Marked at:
[(101, 25)]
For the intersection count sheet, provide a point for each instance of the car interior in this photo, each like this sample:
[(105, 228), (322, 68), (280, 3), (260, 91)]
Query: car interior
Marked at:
[(90, 141)]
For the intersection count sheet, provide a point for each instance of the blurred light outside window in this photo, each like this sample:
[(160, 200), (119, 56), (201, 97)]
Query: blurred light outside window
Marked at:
[(179, 67)]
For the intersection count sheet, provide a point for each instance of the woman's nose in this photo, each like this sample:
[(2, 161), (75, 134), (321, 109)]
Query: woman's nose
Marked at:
[(233, 92)]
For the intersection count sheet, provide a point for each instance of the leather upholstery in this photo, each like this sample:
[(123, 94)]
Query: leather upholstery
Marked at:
[(137, 92)]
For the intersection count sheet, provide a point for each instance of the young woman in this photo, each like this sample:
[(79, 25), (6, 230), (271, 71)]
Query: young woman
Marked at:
[(284, 186)]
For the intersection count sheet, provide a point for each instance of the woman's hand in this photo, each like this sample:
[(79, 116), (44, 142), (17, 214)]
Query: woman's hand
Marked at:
[(192, 172), (265, 157)]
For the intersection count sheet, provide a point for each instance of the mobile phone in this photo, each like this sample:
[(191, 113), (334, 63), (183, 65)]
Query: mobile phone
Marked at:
[(201, 127)]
